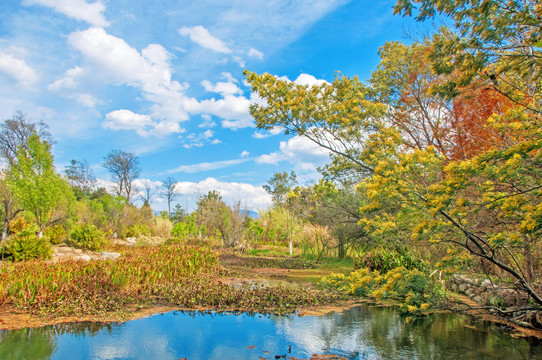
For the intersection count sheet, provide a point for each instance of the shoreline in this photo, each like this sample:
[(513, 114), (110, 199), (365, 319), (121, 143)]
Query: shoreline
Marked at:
[(14, 319)]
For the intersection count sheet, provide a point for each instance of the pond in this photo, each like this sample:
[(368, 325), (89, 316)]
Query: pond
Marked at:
[(359, 333)]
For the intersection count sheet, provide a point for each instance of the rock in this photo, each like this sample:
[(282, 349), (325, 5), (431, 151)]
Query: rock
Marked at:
[(131, 240), (77, 251), (63, 250), (84, 257), (109, 255)]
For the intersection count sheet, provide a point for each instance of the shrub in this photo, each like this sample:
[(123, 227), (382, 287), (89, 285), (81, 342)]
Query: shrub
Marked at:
[(386, 259), (138, 230), (27, 245), (17, 225), (162, 227), (413, 289), (56, 234), (87, 237)]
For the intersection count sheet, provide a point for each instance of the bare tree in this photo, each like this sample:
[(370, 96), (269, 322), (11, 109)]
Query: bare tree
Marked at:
[(124, 168), (168, 186), (148, 192), (80, 175), (15, 132)]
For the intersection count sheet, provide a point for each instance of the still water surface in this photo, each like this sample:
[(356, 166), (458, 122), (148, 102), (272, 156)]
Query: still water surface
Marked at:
[(358, 333)]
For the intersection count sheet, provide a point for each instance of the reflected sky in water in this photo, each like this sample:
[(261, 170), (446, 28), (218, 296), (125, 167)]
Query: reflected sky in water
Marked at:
[(359, 333)]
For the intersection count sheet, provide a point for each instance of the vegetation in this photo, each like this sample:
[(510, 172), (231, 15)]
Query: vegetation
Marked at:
[(179, 275), (436, 168)]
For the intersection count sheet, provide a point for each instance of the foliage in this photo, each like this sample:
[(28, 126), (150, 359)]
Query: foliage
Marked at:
[(413, 289), (400, 136), (188, 227), (56, 234), (40, 190), (162, 227), (384, 259), (221, 220), (278, 226), (178, 214), (137, 230), (15, 133), (26, 245), (318, 241), (280, 185), (497, 42), (179, 275), (87, 237)]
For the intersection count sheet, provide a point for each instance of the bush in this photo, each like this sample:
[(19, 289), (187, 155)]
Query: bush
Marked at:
[(138, 230), (27, 245), (413, 289), (56, 234), (162, 227), (87, 237), (384, 260)]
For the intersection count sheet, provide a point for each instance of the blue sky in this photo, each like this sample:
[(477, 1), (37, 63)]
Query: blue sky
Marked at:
[(164, 79)]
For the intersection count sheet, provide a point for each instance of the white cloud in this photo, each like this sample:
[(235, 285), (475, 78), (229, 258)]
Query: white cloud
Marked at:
[(17, 68), (114, 61), (69, 81), (253, 53), (207, 121), (206, 166), (273, 132), (245, 154), (127, 120), (201, 139), (251, 197), (228, 76), (234, 109), (239, 60), (299, 151), (142, 124), (87, 100), (201, 36), (91, 13), (309, 80), (222, 88)]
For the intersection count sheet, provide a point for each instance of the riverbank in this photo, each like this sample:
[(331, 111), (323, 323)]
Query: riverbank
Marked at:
[(228, 281)]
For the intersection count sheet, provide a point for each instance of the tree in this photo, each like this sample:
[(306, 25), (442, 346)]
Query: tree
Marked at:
[(489, 202), (124, 169), (280, 185), (220, 219), (496, 42), (148, 193), (168, 187), (80, 175), (15, 132), (39, 189)]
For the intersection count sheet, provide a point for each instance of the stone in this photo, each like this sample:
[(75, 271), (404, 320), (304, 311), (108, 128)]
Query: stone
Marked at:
[(77, 251), (109, 255), (131, 240), (63, 250), (84, 257)]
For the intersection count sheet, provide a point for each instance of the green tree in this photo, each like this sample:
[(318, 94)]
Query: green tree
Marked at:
[(280, 185), (40, 190)]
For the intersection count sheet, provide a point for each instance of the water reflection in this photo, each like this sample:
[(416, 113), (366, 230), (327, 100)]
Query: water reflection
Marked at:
[(359, 333)]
